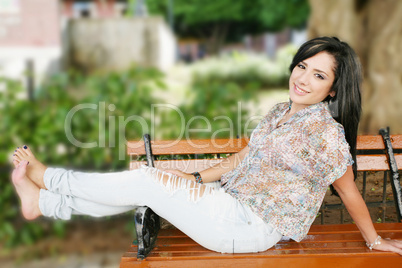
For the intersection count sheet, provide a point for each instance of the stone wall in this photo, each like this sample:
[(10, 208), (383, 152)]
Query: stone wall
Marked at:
[(118, 43)]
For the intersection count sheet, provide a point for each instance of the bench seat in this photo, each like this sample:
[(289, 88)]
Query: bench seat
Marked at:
[(339, 245)]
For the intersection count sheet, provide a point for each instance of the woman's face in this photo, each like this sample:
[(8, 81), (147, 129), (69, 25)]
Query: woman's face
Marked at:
[(311, 80)]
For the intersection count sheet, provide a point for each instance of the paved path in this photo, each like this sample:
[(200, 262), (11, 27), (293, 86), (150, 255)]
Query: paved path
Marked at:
[(97, 260)]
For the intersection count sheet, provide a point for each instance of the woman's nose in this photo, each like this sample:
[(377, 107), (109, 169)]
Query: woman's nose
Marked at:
[(303, 79)]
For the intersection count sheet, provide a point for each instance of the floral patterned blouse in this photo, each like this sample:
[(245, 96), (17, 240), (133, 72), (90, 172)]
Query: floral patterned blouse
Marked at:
[(289, 167)]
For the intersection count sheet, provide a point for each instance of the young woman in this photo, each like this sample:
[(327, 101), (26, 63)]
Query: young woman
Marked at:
[(272, 188)]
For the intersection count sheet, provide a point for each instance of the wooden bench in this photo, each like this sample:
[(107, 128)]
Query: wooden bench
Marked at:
[(339, 245)]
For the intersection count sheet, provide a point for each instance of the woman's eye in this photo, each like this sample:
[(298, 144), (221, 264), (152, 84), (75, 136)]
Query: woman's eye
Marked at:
[(319, 76), (301, 66)]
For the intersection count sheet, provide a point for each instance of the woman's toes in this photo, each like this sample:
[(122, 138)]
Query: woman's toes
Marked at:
[(16, 160), (22, 151), (27, 150), (17, 157), (18, 152)]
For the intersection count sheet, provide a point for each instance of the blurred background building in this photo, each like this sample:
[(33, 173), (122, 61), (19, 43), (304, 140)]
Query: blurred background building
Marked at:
[(44, 37), (30, 38)]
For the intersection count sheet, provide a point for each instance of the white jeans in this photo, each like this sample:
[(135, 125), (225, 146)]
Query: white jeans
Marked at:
[(208, 215)]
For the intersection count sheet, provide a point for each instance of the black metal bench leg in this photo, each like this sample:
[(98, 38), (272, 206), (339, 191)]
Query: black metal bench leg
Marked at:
[(147, 225), (394, 175)]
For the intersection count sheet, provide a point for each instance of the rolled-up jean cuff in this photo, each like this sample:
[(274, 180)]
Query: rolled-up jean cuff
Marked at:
[(52, 205)]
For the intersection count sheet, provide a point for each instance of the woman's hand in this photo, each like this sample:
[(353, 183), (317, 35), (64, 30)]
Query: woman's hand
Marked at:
[(215, 172), (357, 208), (391, 245), (181, 174)]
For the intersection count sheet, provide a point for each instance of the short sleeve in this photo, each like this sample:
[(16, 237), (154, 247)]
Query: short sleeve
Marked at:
[(328, 152)]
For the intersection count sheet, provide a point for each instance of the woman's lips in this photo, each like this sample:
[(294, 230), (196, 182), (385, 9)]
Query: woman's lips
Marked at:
[(300, 91)]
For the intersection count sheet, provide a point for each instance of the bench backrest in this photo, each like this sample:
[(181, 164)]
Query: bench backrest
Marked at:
[(171, 154), (168, 152), (371, 156), (376, 162)]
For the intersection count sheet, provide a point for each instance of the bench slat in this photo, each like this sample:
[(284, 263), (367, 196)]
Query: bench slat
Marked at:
[(376, 162), (179, 147), (341, 240), (197, 252), (351, 261), (364, 163), (331, 241), (314, 230), (396, 141), (268, 255), (375, 142), (216, 146), (184, 165)]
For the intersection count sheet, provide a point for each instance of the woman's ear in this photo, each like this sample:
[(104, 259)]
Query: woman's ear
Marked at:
[(332, 94)]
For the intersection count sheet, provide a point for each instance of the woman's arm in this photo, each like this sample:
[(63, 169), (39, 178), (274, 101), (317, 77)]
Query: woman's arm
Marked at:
[(215, 172), (356, 207)]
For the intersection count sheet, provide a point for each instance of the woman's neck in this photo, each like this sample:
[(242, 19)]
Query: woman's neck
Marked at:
[(294, 108)]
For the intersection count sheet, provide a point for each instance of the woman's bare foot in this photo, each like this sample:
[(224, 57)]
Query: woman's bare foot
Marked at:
[(27, 191), (35, 170)]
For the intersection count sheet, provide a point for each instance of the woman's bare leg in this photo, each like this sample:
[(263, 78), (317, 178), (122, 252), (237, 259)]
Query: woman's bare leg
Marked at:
[(30, 195), (35, 170), (27, 191)]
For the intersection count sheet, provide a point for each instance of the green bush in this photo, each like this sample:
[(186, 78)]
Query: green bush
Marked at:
[(41, 124), (244, 68), (102, 103), (212, 110)]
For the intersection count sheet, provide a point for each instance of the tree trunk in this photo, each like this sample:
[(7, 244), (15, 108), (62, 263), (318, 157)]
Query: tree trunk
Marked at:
[(374, 29), (217, 38)]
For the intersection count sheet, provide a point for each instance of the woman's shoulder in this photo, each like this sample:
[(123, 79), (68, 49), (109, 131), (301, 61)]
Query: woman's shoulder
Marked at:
[(323, 122), (275, 111), (279, 107)]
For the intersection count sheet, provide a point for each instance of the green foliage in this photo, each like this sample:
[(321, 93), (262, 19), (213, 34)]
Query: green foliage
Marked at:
[(216, 106), (103, 103), (214, 109), (105, 110), (130, 8), (243, 69), (275, 15), (272, 15), (197, 13), (221, 20), (223, 105)]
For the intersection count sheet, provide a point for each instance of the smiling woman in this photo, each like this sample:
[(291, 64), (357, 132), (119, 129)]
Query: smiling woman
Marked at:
[(275, 190), (339, 62), (311, 81)]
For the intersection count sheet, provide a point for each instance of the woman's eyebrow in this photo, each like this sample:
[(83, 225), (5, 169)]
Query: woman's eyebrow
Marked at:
[(317, 70)]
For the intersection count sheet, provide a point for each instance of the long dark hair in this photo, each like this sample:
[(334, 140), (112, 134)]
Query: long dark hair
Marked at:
[(345, 106)]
